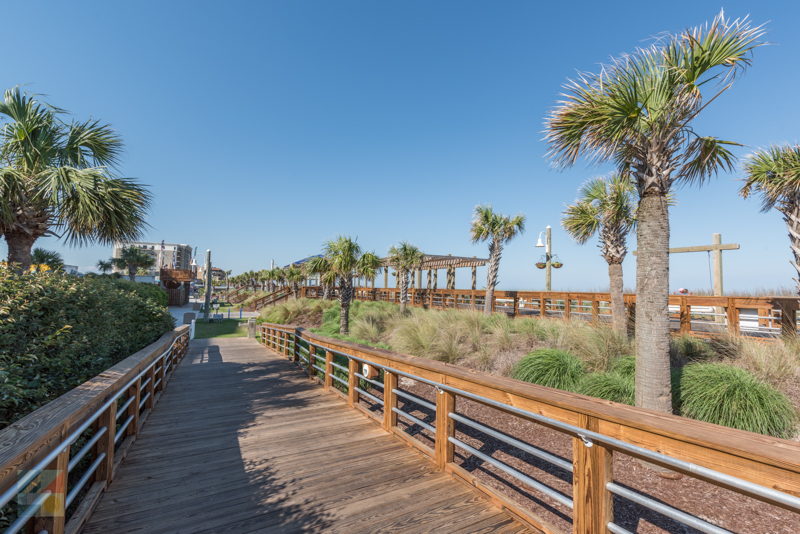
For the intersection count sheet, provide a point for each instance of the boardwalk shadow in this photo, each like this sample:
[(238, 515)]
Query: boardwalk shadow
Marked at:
[(199, 465)]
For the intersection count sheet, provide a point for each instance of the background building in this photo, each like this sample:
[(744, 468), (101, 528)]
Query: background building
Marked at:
[(166, 255)]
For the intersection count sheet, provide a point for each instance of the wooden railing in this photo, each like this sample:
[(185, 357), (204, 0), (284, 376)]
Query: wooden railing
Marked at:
[(56, 462), (274, 297), (697, 315), (369, 379)]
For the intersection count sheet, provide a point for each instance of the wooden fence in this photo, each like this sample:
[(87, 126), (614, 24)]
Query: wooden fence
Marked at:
[(369, 379), (56, 462), (697, 315)]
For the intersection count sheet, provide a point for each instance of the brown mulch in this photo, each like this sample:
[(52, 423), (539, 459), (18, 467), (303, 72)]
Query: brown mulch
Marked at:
[(722, 507)]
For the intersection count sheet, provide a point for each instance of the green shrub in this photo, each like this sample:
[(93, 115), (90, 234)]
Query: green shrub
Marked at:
[(550, 367), (57, 331), (624, 366), (729, 396), (686, 348), (609, 386)]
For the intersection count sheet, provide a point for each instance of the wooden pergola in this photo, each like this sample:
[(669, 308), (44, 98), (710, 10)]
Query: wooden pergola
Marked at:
[(433, 262)]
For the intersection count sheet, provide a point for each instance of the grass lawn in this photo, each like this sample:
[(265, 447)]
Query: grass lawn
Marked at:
[(226, 328)]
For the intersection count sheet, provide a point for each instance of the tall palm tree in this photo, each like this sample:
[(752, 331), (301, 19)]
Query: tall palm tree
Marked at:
[(104, 266), (132, 259), (55, 180), (294, 277), (405, 258), (606, 207), (50, 258), (321, 267), (638, 111), (774, 173), (497, 229), (348, 261)]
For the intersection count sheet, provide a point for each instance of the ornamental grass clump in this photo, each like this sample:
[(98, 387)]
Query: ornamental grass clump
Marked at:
[(550, 367), (609, 386), (729, 396)]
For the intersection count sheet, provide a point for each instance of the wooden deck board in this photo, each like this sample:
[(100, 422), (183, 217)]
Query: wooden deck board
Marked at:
[(243, 442)]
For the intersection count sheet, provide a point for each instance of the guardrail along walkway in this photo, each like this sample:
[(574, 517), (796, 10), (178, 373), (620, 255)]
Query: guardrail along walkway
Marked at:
[(242, 442)]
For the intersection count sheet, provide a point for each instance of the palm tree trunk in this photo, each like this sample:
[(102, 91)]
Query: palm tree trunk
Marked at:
[(326, 291), (495, 252), (653, 389), (132, 273), (792, 218), (403, 291), (618, 317), (19, 249), (345, 296)]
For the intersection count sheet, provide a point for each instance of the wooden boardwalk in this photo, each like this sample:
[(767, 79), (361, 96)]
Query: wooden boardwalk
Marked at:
[(242, 442)]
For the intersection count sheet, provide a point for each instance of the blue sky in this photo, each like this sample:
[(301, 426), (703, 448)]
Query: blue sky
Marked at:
[(267, 128)]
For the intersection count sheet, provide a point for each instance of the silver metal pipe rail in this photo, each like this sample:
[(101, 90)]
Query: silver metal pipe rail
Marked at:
[(413, 419), (415, 399)]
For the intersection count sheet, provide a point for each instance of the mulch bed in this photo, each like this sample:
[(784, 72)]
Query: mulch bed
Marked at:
[(723, 507)]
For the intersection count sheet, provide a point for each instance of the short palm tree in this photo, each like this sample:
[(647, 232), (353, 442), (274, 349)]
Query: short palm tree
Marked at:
[(606, 207), (497, 229), (50, 258), (774, 173), (638, 112), (132, 259), (321, 267), (294, 277), (104, 266), (348, 261), (405, 258), (56, 180)]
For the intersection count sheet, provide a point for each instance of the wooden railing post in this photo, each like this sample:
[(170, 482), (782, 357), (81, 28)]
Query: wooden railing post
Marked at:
[(445, 428), (295, 347), (592, 470), (733, 317), (108, 419), (328, 369), (542, 306), (788, 317), (151, 374), (133, 409), (389, 400), (685, 317), (51, 517), (352, 382), (567, 306), (312, 351), (595, 310)]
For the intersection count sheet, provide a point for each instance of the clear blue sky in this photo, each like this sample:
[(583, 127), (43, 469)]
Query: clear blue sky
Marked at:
[(266, 128)]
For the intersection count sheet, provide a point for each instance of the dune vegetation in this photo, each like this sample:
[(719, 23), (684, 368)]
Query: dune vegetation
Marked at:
[(578, 357)]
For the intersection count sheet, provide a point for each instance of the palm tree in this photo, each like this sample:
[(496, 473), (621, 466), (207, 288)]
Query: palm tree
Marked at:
[(405, 258), (294, 277), (50, 258), (774, 173), (348, 261), (638, 112), (56, 180), (321, 266), (605, 207), (132, 259), (497, 229), (104, 266)]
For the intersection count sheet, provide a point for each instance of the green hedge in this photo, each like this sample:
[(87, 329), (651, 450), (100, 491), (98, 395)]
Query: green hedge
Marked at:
[(550, 367), (57, 331)]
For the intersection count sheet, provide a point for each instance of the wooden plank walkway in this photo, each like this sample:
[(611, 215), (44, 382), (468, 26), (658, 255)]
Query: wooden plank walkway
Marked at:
[(242, 442)]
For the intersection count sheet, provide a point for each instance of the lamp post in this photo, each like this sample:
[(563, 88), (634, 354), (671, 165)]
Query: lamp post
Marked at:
[(548, 250)]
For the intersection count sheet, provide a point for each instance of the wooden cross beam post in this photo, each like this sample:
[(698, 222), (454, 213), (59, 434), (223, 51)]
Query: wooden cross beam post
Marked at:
[(716, 247)]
